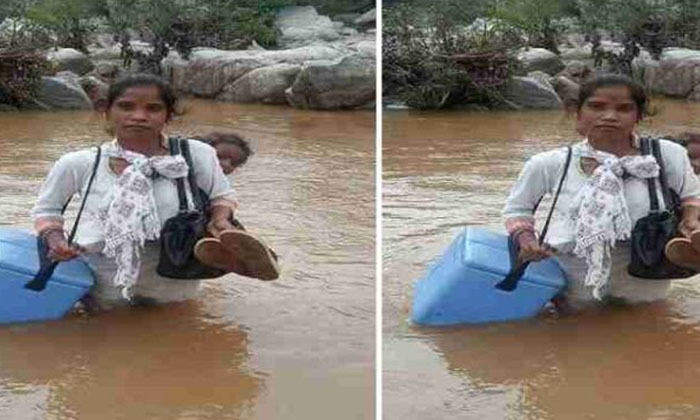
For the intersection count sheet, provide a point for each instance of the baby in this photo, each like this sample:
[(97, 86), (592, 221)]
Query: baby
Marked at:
[(231, 149)]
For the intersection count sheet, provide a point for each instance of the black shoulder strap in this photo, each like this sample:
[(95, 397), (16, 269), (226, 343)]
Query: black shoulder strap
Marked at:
[(196, 197), (46, 266), (665, 190), (87, 191), (556, 195), (174, 146), (651, 182)]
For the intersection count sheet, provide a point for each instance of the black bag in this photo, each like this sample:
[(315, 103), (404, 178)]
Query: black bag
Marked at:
[(653, 231), (182, 231)]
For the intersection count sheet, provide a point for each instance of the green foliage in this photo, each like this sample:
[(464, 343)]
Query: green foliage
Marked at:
[(20, 76), (430, 60), (70, 20), (539, 20)]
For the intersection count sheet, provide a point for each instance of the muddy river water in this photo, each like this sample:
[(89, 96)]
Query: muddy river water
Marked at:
[(298, 348), (445, 170)]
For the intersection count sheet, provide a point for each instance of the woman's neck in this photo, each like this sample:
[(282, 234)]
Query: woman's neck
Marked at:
[(145, 147), (618, 147)]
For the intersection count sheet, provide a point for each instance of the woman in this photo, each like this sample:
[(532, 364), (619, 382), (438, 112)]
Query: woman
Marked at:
[(604, 193), (133, 194)]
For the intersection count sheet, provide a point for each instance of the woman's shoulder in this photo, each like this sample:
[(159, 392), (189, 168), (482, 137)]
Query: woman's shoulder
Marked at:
[(78, 157), (672, 146), (550, 157), (199, 147)]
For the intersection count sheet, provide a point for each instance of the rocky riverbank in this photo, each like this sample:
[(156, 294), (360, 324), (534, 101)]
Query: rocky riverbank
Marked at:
[(321, 64)]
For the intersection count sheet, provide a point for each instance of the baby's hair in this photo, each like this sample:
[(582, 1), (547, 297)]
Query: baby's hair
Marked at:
[(226, 137)]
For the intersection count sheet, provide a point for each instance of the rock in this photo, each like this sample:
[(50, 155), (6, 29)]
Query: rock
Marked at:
[(577, 53), (347, 18), (266, 85), (540, 59), (367, 48), (577, 71), (96, 90), (62, 93), (301, 25), (542, 77), (254, 46), (70, 60), (68, 76), (348, 31), (105, 40), (528, 92), (345, 83), (568, 91), (610, 46), (678, 73), (107, 70), (575, 40), (368, 18), (645, 70), (209, 70), (114, 52)]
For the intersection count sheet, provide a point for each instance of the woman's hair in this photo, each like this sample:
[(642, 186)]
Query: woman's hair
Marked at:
[(227, 137), (118, 88), (637, 92)]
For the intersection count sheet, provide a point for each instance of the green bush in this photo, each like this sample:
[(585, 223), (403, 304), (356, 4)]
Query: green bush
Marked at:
[(431, 60)]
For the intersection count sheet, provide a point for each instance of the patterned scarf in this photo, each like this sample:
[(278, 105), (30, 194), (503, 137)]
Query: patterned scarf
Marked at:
[(599, 215), (131, 217)]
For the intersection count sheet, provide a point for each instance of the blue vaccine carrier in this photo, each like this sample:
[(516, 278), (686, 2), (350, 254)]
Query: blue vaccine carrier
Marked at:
[(459, 288), (19, 262)]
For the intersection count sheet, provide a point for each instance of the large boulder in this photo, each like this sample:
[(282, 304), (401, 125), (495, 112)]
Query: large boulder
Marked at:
[(96, 90), (540, 59), (678, 73), (265, 85), (208, 70), (68, 59), (301, 25), (345, 83), (576, 53), (63, 92), (568, 91), (368, 18), (577, 71), (530, 93)]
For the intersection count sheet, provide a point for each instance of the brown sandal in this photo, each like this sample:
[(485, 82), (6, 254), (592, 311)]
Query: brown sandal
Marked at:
[(681, 252), (209, 251), (695, 239), (252, 252)]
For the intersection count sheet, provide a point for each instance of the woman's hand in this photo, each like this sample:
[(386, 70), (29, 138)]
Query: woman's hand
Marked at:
[(220, 220), (59, 249), (530, 249), (690, 221)]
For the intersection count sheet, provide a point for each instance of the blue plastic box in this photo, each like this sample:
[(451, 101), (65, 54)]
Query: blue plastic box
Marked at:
[(19, 262), (459, 288)]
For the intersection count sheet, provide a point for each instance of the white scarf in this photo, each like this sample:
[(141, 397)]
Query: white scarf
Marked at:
[(131, 216), (599, 215)]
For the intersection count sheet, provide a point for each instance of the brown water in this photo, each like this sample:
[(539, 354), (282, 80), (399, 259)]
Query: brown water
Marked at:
[(443, 171), (298, 348)]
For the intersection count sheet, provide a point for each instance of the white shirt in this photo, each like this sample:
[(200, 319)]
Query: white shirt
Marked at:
[(541, 174), (71, 173)]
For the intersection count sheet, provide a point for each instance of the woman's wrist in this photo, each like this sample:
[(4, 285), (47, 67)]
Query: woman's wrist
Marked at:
[(524, 236)]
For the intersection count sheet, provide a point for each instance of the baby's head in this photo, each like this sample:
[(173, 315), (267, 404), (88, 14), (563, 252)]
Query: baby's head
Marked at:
[(231, 149)]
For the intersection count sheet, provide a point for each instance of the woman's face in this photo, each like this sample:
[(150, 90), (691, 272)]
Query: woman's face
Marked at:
[(609, 113), (138, 114)]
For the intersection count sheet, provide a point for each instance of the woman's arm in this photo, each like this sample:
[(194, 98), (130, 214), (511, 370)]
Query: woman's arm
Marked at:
[(62, 182), (533, 183), (211, 178)]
